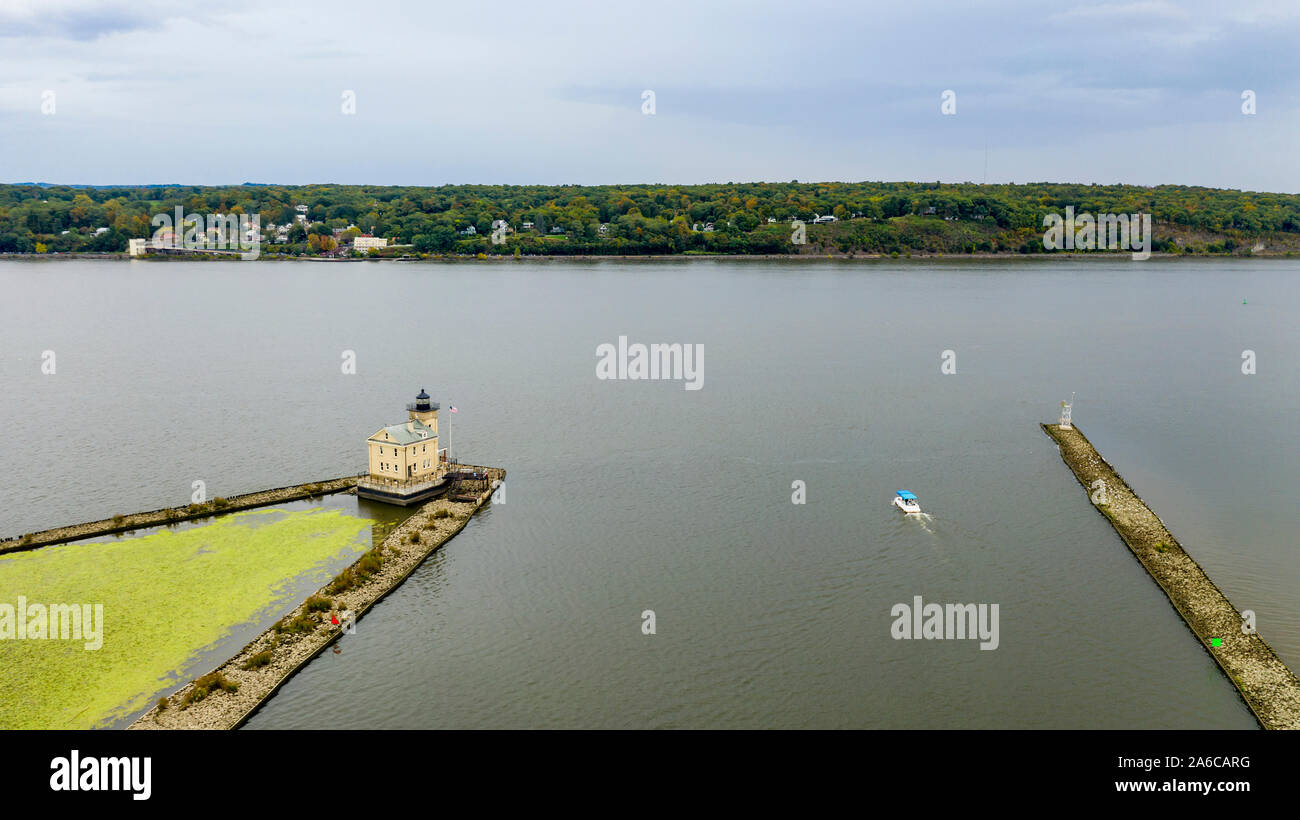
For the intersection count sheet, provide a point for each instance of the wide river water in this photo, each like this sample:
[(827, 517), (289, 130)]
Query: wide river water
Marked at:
[(626, 496)]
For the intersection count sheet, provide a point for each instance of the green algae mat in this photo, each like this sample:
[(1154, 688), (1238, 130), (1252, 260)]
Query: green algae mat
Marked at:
[(167, 596)]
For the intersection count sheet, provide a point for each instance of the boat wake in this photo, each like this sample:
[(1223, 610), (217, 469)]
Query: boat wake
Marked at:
[(921, 530), (922, 518)]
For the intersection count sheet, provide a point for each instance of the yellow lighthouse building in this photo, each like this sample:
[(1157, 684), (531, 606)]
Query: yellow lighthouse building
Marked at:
[(406, 465)]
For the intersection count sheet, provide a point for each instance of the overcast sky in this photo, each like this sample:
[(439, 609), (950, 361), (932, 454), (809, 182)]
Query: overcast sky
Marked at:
[(1145, 92)]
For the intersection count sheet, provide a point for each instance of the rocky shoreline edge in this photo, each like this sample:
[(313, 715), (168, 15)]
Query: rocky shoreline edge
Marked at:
[(1267, 685), (227, 696)]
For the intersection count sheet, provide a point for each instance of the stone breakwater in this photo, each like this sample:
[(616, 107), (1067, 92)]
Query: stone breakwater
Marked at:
[(172, 515), (1269, 688), (231, 693)]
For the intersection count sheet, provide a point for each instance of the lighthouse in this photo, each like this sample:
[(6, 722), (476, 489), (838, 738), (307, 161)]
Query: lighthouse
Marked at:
[(406, 464)]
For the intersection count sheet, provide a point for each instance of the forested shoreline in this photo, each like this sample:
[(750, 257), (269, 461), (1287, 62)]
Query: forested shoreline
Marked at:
[(732, 218)]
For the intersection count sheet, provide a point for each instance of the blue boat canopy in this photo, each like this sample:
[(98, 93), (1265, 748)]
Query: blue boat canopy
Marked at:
[(910, 496)]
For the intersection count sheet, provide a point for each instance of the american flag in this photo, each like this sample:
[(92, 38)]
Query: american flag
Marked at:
[(451, 407)]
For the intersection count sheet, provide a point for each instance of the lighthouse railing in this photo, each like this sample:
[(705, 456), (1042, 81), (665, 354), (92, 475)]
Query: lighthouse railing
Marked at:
[(372, 483)]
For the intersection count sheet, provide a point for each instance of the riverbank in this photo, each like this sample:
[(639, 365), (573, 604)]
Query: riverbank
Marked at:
[(226, 697), (804, 255), (1267, 685), (173, 515)]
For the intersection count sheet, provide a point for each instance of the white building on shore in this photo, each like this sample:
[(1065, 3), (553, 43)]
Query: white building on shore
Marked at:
[(365, 242)]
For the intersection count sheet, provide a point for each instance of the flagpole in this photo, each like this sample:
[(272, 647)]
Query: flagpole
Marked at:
[(446, 431)]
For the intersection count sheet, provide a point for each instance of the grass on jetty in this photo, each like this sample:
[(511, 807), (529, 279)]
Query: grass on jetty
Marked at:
[(211, 682), (358, 574), (257, 661), (167, 595)]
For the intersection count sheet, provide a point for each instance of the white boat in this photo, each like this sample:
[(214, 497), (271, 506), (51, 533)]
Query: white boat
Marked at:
[(906, 501)]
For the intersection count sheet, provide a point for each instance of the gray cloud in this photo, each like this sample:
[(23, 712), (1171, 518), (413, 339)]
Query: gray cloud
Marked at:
[(529, 92), (75, 21)]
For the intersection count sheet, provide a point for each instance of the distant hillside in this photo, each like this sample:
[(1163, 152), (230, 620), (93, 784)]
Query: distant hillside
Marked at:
[(740, 218)]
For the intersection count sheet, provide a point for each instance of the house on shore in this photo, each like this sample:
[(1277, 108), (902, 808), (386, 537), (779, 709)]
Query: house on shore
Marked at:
[(365, 242)]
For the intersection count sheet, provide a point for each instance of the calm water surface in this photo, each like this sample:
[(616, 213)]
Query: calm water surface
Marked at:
[(627, 496)]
